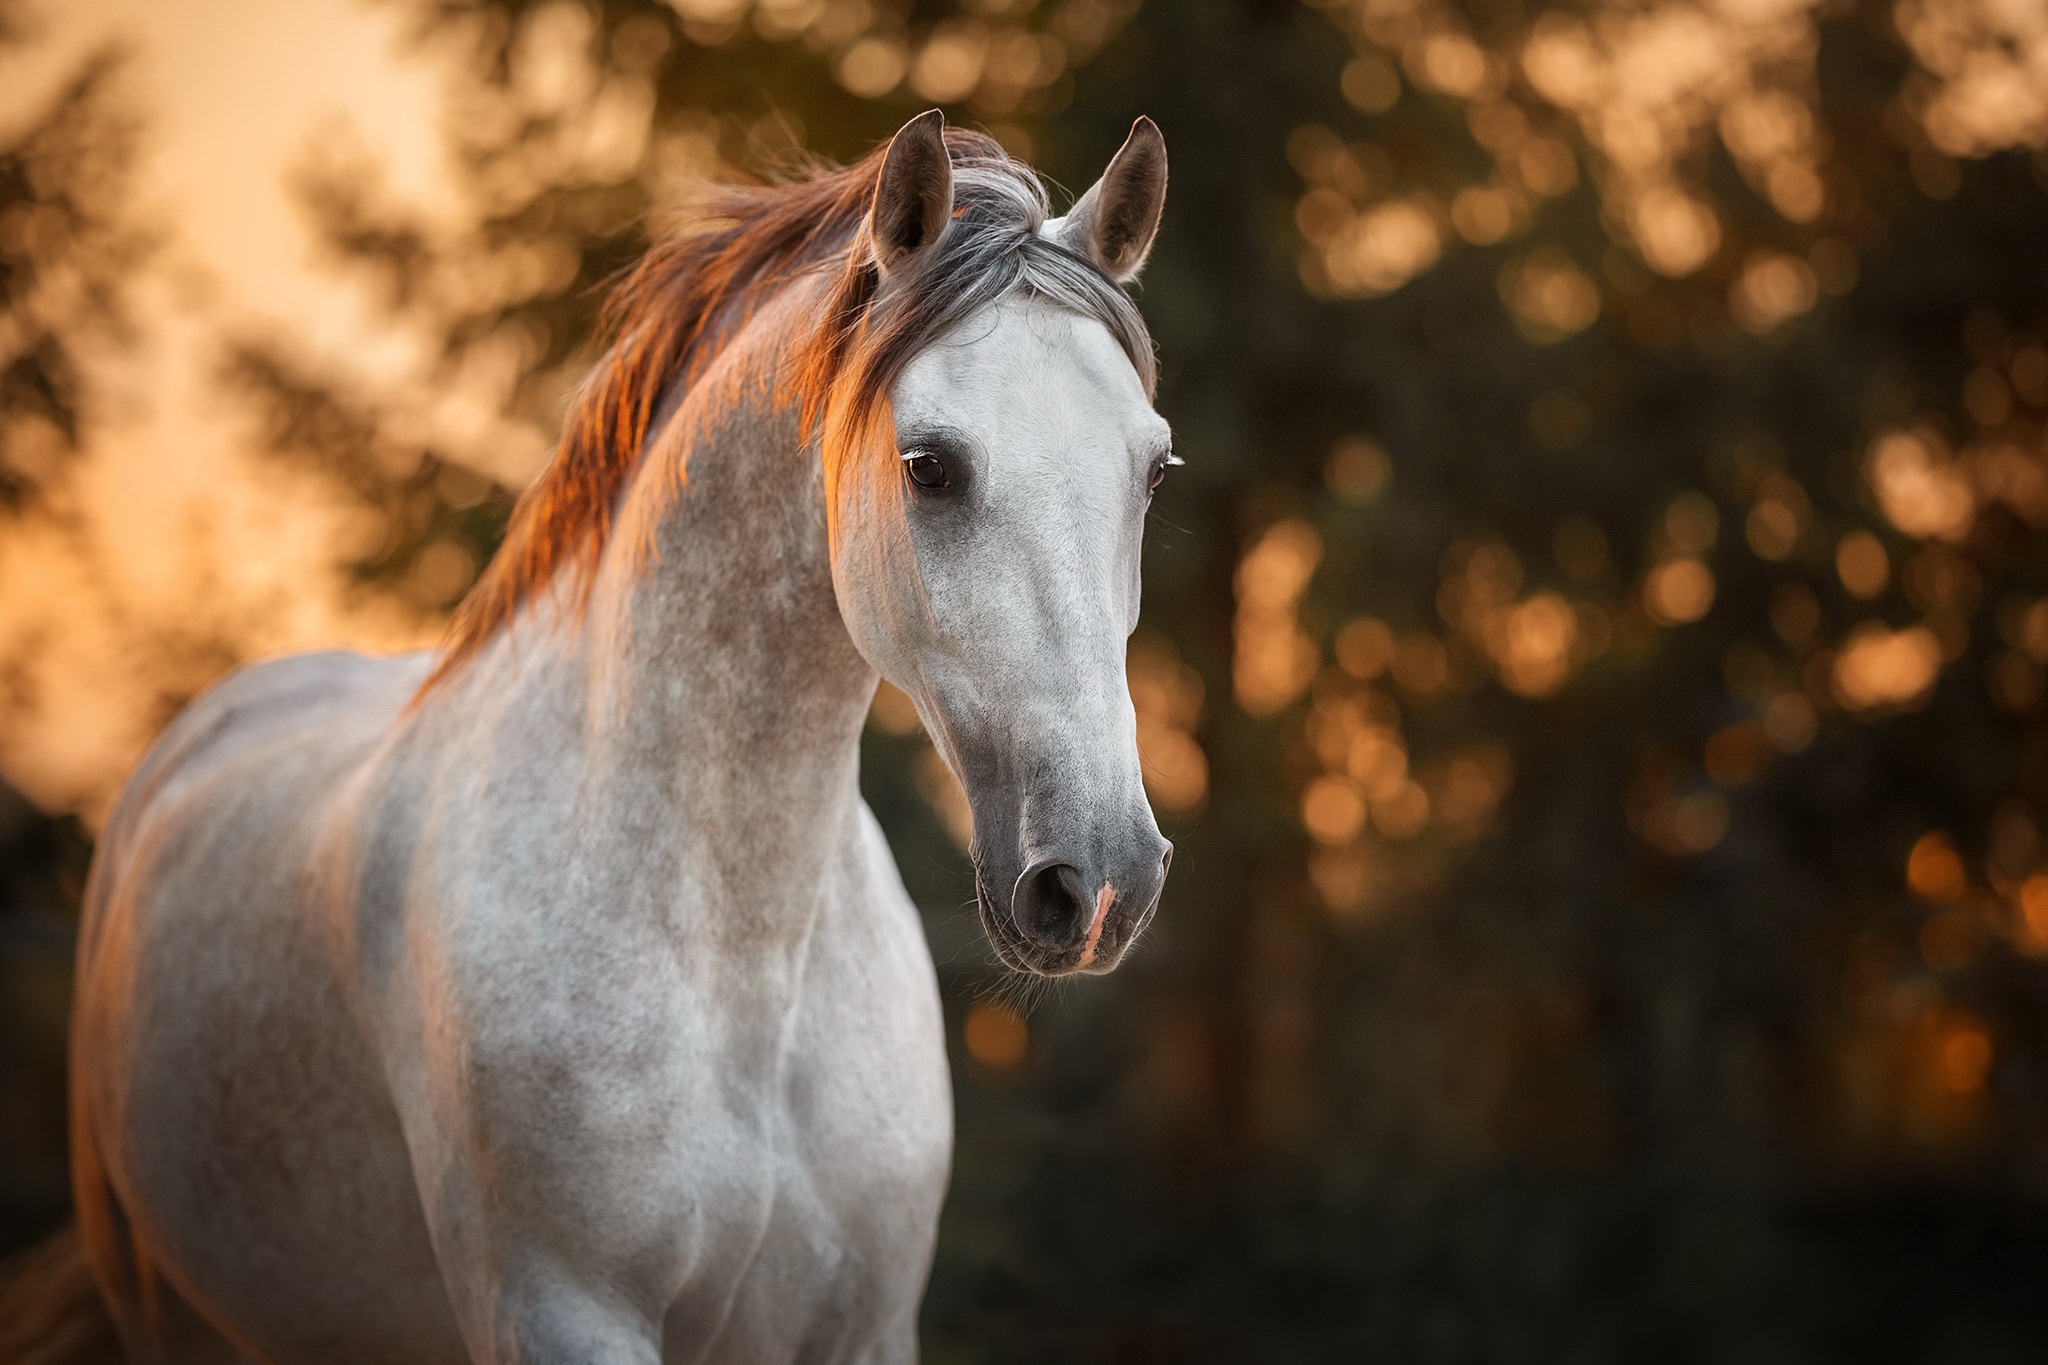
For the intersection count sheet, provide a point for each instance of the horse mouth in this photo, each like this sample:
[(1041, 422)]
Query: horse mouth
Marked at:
[(1003, 934), (1016, 952)]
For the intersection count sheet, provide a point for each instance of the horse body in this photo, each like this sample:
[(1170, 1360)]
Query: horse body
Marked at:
[(717, 1043), (571, 1008), (232, 1133)]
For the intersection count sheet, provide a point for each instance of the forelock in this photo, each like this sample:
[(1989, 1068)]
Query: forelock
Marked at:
[(994, 248)]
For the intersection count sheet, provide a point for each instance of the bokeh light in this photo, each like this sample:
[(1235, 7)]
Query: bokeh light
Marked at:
[(1593, 663)]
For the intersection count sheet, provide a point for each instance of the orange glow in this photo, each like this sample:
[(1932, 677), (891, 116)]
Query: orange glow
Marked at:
[(2011, 473), (1991, 61), (1934, 871), (1533, 644), (872, 67), (1920, 489), (1863, 565), (950, 65), (1378, 761), (1364, 648), (996, 1036), (1773, 528), (892, 711), (1675, 232), (1483, 215), (1546, 166), (1467, 790), (170, 524), (1371, 85), (1647, 85), (1275, 659), (1167, 696), (942, 792), (1880, 668), (1965, 1058), (2028, 629), (1773, 289), (1456, 65), (1699, 821), (1678, 591), (1384, 247), (1332, 811), (2034, 912), (1536, 639), (1357, 470), (1550, 296)]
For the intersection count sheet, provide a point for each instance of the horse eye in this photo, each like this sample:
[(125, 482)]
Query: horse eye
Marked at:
[(926, 469), (1159, 468)]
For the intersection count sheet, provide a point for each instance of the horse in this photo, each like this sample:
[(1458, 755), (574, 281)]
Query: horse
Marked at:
[(553, 996)]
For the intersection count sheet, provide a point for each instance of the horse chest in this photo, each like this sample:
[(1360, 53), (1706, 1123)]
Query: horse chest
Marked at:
[(863, 1146), (758, 1129)]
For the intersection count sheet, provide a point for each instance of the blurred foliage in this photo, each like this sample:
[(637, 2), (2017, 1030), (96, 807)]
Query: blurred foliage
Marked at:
[(66, 247), (1592, 666)]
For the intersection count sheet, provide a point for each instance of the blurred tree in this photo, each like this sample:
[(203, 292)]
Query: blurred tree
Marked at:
[(65, 248), (67, 244), (1609, 932), (568, 126), (1593, 657)]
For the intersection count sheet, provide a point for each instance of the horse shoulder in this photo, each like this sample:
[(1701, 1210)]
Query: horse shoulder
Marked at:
[(843, 1262), (876, 993), (874, 1093)]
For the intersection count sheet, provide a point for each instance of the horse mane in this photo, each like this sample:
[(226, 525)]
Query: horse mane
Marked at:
[(691, 293)]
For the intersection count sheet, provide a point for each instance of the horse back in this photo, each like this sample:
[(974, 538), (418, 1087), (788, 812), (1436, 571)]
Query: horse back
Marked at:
[(281, 701), (223, 1098)]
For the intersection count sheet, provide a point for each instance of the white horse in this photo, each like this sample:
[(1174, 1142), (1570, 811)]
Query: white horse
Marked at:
[(557, 999)]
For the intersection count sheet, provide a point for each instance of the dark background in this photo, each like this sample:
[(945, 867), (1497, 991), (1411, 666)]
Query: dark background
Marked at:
[(1685, 1003)]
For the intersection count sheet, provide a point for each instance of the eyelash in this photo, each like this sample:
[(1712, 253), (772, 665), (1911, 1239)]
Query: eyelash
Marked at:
[(1159, 468)]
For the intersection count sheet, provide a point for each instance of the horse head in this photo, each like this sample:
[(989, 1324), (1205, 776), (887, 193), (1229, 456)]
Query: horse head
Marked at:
[(988, 565)]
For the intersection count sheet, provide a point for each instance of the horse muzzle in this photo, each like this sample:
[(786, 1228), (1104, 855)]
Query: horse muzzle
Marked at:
[(1067, 912)]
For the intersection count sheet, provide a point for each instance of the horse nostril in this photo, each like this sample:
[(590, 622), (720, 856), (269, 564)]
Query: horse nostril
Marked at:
[(1051, 903)]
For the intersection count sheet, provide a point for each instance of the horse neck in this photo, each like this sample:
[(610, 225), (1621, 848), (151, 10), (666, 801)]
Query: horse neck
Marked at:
[(718, 696)]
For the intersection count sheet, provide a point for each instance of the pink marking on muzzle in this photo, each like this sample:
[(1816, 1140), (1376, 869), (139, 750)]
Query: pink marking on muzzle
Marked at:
[(1104, 898)]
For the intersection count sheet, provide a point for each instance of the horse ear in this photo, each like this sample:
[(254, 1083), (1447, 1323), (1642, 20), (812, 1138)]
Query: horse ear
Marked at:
[(914, 194), (1114, 223)]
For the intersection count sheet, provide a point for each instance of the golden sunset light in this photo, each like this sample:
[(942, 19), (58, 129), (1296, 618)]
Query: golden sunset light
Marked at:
[(1009, 680)]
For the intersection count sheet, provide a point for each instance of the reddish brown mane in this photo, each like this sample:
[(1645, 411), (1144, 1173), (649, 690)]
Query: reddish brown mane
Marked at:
[(739, 242), (672, 313)]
